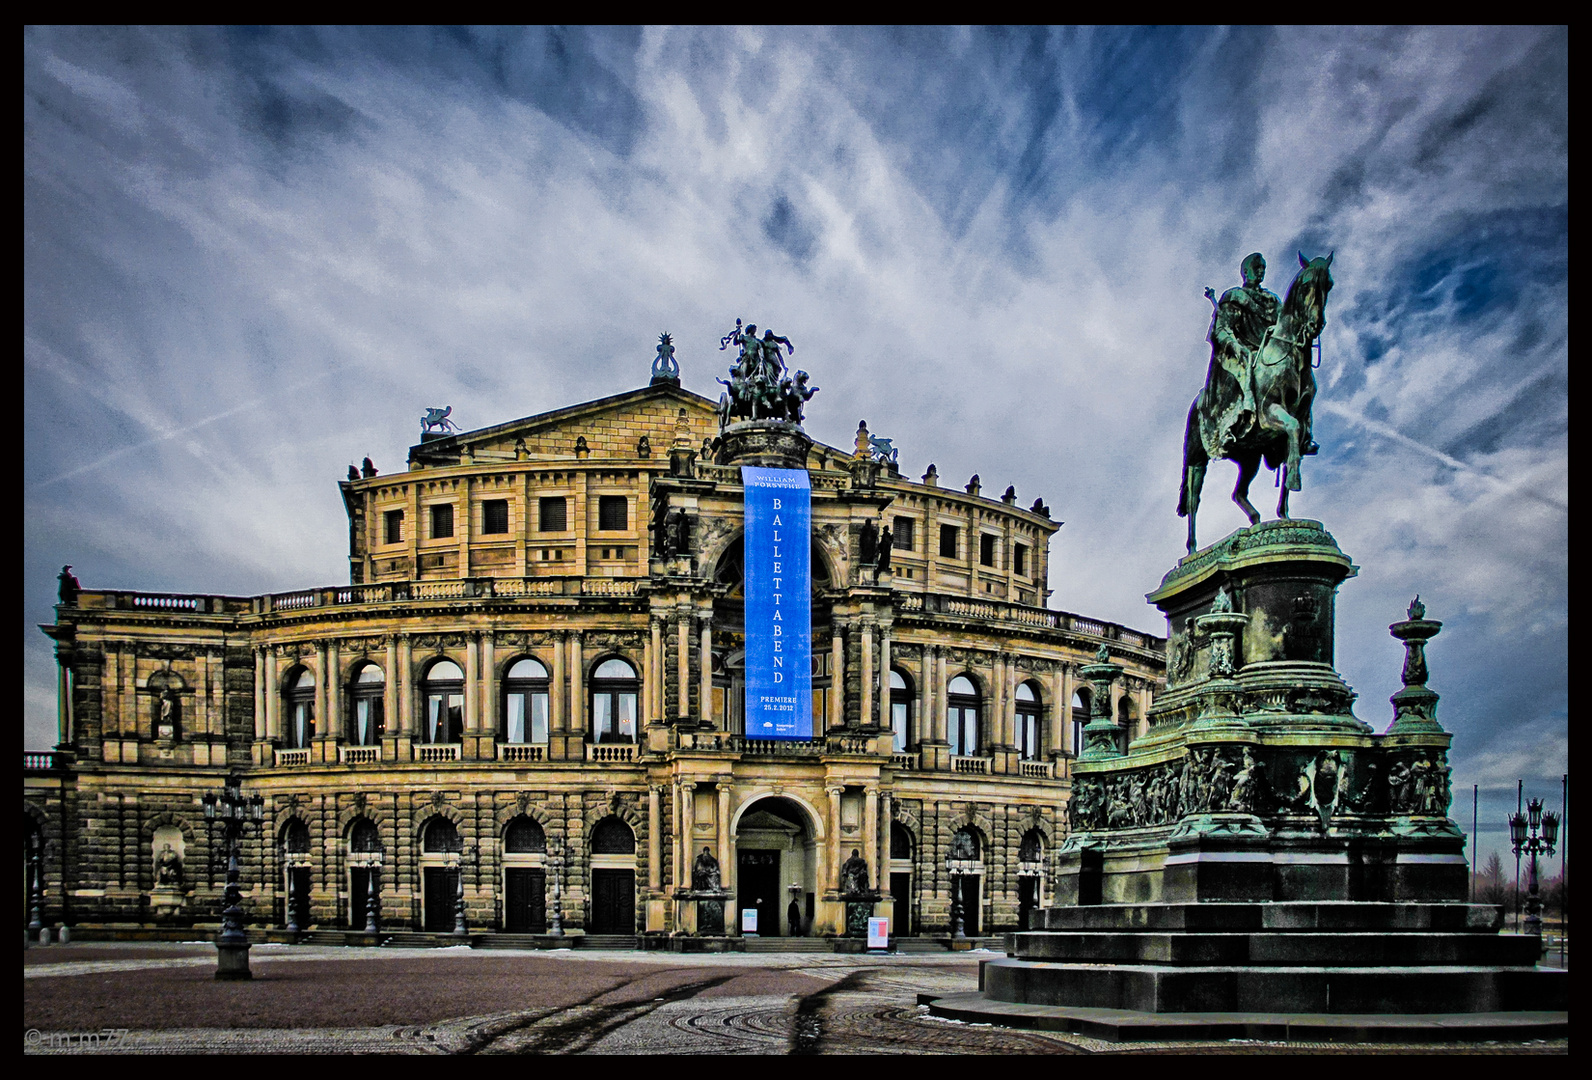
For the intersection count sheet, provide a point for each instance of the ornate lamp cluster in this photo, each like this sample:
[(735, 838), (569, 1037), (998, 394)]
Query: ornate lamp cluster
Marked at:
[(233, 812), (1525, 837)]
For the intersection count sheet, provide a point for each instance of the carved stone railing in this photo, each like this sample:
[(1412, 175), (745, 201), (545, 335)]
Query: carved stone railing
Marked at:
[(162, 602), (294, 601), (521, 752), (964, 607), (783, 747), (362, 594), (976, 765), (610, 752), (359, 755), (42, 761), (609, 586), (288, 758), (440, 590), (905, 762), (1038, 770), (437, 752), (849, 744)]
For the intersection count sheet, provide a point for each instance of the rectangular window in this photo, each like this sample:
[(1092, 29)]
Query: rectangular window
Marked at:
[(441, 521), (986, 550), (613, 513), (901, 538), (1020, 559), (551, 516), (393, 526), (495, 516), (948, 541)]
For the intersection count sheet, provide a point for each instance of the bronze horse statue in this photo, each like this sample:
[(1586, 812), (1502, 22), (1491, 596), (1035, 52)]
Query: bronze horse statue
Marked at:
[(1284, 387)]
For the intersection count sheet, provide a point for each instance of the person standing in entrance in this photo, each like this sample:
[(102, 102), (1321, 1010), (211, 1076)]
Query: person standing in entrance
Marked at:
[(793, 916)]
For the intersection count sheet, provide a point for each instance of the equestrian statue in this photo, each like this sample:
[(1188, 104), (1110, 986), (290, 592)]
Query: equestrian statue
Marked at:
[(1258, 391)]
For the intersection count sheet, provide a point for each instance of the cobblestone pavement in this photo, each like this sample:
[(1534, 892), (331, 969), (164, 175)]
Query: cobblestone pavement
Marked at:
[(305, 999)]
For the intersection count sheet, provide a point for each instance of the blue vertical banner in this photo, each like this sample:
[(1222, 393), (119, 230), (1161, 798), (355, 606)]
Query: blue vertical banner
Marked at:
[(779, 606)]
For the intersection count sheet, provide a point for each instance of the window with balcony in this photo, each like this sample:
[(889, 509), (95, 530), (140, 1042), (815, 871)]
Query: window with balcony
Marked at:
[(441, 521), (613, 513), (367, 719), (1028, 713), (495, 516), (300, 702), (614, 690), (552, 514), (962, 717), (443, 688), (525, 702)]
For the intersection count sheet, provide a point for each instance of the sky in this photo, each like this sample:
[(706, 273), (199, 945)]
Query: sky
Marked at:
[(252, 257)]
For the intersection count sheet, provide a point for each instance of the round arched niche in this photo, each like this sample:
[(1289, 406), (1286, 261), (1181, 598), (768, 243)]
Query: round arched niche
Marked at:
[(729, 610)]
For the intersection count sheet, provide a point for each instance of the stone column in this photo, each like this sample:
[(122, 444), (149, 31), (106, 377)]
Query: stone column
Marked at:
[(885, 718), (865, 715), (676, 819), (705, 658), (726, 849), (577, 692), (334, 692), (837, 675), (683, 660), (649, 676), (832, 857), (488, 703), (259, 694), (939, 696), (558, 715), (323, 712), (870, 834), (1060, 712), (654, 838), (886, 816), (926, 696), (407, 719), (273, 695), (687, 832), (472, 683)]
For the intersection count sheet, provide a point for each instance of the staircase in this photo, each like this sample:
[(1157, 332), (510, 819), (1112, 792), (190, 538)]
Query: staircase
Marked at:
[(788, 945)]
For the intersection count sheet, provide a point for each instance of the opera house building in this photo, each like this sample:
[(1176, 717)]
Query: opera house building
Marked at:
[(645, 666)]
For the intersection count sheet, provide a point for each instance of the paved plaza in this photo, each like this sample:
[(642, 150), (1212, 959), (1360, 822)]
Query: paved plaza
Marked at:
[(163, 999)]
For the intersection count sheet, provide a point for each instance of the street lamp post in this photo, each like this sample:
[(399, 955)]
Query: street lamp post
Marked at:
[(373, 900), (460, 929), (36, 893), (555, 863), (956, 868), (1526, 839), (234, 813), (292, 907)]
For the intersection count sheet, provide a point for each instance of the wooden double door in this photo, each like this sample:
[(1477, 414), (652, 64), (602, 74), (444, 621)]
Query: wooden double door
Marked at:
[(613, 902), (525, 901), (442, 887)]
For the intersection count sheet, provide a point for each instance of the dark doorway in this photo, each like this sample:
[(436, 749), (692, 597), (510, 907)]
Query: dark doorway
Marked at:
[(970, 921), (299, 895), (525, 906), (901, 893), (1027, 900), (358, 897), (613, 907), (757, 886), (442, 884)]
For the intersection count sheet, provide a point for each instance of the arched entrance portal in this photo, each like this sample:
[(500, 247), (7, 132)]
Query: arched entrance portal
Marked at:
[(776, 863)]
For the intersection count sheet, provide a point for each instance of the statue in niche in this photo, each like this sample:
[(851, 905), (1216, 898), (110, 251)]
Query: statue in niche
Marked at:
[(854, 874), (69, 587), (705, 872), (166, 716), (886, 541), (869, 543), (660, 530), (680, 533), (168, 868), (644, 447)]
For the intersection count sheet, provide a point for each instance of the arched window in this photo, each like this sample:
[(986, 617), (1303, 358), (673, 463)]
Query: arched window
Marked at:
[(525, 702), (900, 841), (1028, 746), (965, 844), (367, 717), (296, 838), (613, 702), (442, 837), (1080, 718), (444, 691), (363, 837), (901, 710), (612, 837), (300, 701), (1127, 720), (524, 836), (961, 716), (1032, 847)]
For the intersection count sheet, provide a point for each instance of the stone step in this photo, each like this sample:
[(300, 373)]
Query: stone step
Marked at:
[(1279, 916), (1397, 949), (787, 945), (1161, 989), (604, 941)]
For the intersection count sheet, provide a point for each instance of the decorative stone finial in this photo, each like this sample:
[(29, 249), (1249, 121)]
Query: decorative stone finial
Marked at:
[(1417, 609), (863, 441), (1415, 706), (932, 477), (973, 485), (665, 368), (1010, 498)]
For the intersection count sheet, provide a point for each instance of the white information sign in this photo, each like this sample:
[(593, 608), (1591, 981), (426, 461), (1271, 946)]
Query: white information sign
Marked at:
[(749, 920), (878, 933)]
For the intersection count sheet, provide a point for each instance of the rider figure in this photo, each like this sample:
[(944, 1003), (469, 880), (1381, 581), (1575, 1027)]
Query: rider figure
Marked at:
[(1238, 328)]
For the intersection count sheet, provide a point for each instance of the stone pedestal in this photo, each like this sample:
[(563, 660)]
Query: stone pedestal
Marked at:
[(1260, 851), (773, 444)]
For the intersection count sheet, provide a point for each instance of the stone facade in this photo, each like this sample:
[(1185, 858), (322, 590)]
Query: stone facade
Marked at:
[(535, 540)]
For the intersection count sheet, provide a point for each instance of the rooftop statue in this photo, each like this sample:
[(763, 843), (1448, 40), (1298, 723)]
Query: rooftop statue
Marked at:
[(437, 420), (759, 386), (1256, 403), (665, 366)]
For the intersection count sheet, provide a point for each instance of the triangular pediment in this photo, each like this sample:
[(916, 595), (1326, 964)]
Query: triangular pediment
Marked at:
[(611, 427)]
